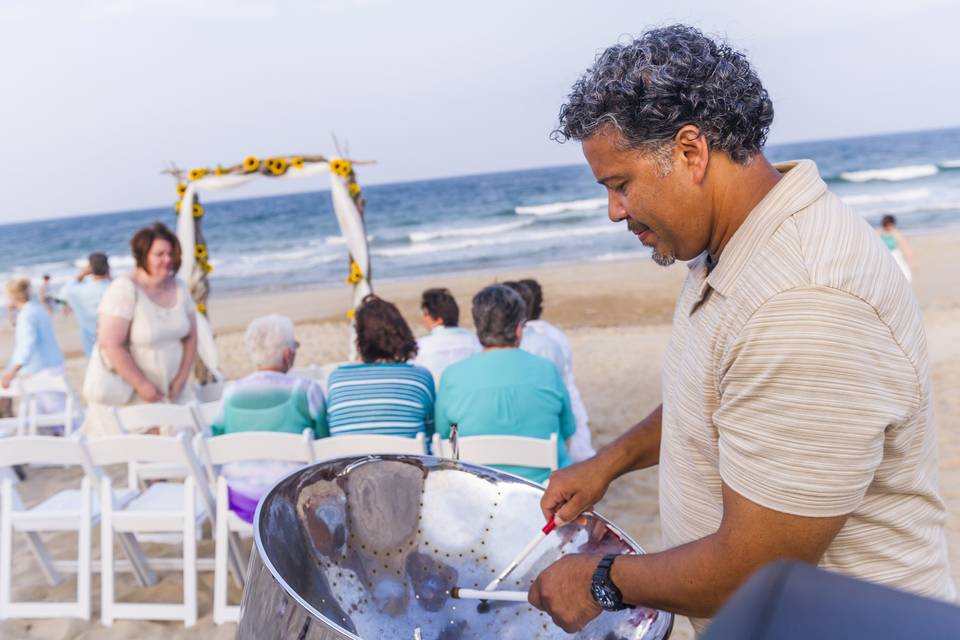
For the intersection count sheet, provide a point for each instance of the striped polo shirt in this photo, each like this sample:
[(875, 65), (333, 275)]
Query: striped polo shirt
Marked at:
[(384, 398), (797, 375)]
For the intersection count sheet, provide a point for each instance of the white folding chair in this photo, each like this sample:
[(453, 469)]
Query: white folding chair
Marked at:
[(540, 453), (206, 413), (209, 392), (364, 444), (163, 507), (68, 510), (30, 386), (15, 425), (320, 373), (226, 449), (138, 417)]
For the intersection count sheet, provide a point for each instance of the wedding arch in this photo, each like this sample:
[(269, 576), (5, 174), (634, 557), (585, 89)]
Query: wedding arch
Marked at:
[(348, 204)]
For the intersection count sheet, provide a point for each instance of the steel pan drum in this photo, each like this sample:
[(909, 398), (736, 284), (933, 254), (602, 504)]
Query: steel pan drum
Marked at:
[(370, 547)]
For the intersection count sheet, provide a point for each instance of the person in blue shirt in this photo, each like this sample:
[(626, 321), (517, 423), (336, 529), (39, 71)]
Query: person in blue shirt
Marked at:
[(35, 348), (83, 295), (505, 390), (384, 394)]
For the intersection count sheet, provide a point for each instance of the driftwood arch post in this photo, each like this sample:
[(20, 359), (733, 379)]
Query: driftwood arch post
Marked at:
[(348, 206)]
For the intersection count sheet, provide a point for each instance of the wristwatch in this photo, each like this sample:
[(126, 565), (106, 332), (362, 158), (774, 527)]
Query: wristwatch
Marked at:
[(606, 594)]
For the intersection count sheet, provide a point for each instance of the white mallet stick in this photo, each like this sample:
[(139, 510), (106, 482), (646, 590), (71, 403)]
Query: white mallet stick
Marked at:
[(477, 594), (527, 550)]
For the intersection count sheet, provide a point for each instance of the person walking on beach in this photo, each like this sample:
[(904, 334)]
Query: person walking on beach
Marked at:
[(43, 294), (83, 296), (35, 347), (447, 342), (898, 245), (796, 418), (146, 333)]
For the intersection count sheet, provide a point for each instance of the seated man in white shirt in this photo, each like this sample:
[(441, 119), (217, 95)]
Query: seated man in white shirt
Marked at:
[(536, 334), (447, 342)]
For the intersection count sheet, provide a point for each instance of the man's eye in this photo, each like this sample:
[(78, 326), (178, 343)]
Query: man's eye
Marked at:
[(621, 188)]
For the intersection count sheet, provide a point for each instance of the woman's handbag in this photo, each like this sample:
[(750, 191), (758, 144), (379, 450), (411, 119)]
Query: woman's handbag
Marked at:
[(103, 385)]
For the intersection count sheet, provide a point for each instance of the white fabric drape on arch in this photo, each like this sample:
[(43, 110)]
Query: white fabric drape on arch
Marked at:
[(348, 217)]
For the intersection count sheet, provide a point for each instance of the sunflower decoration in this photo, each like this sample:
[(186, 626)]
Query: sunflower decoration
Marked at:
[(341, 167), (181, 189), (202, 308), (297, 162), (206, 266), (251, 164), (197, 210), (354, 189), (356, 275), (219, 171), (200, 252), (277, 166), (196, 174), (350, 314)]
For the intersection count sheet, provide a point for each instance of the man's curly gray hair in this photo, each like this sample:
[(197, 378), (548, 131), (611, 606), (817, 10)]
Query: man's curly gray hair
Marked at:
[(648, 89)]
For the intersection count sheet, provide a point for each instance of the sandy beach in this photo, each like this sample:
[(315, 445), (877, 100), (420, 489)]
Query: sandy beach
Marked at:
[(617, 316)]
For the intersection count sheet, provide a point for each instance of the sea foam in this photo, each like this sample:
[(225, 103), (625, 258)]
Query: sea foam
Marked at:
[(893, 174)]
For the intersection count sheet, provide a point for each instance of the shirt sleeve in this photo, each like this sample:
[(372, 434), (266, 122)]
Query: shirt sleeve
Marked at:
[(119, 299), (26, 337), (807, 391)]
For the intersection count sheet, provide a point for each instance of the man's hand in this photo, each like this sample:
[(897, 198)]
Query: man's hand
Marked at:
[(575, 489), (7, 379), (563, 591)]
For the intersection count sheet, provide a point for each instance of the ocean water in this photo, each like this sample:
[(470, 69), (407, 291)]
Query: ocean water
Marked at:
[(503, 219)]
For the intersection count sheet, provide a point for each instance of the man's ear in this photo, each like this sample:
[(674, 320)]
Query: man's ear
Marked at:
[(693, 151)]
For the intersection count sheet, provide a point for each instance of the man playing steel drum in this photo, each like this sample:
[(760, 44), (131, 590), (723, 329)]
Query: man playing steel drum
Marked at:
[(796, 416)]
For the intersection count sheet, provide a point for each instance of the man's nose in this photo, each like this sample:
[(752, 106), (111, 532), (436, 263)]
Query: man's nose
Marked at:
[(615, 209)]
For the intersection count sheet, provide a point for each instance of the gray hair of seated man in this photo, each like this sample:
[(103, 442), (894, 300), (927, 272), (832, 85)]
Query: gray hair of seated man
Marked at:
[(497, 312), (267, 338)]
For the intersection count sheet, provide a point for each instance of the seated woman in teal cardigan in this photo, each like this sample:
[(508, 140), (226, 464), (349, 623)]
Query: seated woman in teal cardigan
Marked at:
[(504, 390), (269, 399)]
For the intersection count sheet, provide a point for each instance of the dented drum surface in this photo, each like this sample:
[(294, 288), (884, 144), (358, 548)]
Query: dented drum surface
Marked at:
[(369, 548)]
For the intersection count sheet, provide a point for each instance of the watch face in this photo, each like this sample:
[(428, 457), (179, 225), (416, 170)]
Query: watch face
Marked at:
[(606, 598)]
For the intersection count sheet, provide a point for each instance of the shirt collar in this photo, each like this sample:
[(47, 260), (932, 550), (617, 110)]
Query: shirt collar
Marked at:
[(799, 187)]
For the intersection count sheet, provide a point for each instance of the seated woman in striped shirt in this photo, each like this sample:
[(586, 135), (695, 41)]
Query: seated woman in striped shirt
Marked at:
[(384, 394)]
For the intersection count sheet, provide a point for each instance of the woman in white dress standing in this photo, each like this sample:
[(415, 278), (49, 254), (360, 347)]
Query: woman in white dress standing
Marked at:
[(146, 328)]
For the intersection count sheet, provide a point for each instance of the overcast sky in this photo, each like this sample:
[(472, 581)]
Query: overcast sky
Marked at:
[(97, 97)]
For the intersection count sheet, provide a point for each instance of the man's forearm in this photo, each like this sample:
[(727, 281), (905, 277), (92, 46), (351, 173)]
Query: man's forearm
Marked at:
[(638, 448)]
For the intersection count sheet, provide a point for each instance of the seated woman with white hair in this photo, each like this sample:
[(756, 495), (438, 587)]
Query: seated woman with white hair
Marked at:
[(269, 399)]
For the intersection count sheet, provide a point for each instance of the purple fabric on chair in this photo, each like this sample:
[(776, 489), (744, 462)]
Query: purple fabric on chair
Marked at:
[(243, 504)]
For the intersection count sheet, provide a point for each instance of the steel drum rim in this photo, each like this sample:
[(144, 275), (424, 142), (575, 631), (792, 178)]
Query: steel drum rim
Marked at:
[(433, 460)]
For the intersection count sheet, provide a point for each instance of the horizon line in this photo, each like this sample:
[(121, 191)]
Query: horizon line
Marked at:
[(446, 177)]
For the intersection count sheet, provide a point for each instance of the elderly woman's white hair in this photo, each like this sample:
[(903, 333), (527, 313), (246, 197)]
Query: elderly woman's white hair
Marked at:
[(267, 338)]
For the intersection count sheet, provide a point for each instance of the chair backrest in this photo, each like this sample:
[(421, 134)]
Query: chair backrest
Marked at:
[(364, 444), (141, 448), (45, 383), (519, 451), (51, 450), (256, 445), (206, 413), (137, 417), (210, 392)]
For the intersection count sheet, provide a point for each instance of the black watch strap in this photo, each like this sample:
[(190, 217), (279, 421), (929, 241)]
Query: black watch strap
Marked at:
[(612, 597)]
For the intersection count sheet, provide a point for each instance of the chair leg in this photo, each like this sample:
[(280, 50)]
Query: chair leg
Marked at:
[(43, 557), (145, 576), (6, 546), (220, 554), (106, 553), (84, 563), (189, 553)]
